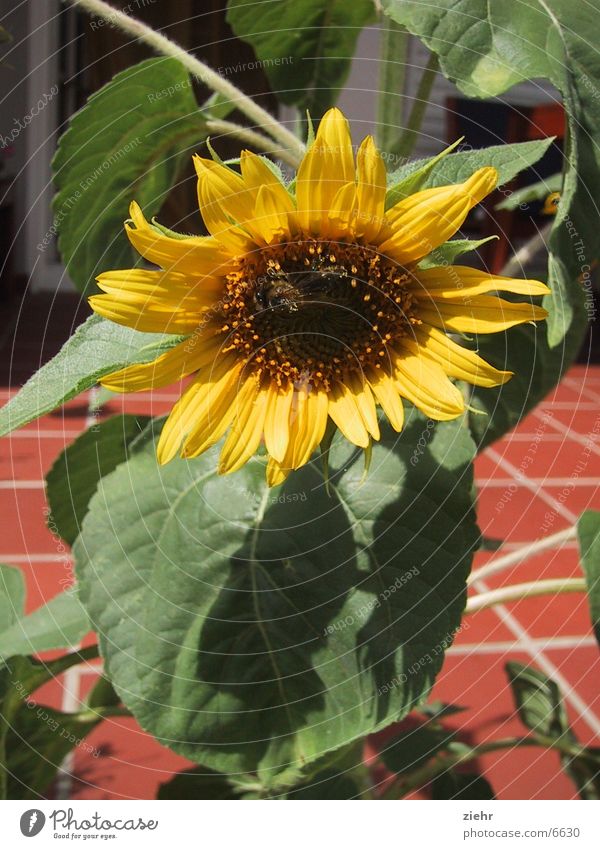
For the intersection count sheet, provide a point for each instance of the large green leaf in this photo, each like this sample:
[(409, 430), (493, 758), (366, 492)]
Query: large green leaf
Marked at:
[(96, 348), (12, 595), (588, 533), (541, 708), (256, 630), (59, 623), (538, 701), (19, 678), (37, 743), (305, 46), (508, 159), (486, 48), (127, 143), (73, 478)]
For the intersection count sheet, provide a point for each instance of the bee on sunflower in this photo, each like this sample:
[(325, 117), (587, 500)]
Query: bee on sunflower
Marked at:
[(306, 304)]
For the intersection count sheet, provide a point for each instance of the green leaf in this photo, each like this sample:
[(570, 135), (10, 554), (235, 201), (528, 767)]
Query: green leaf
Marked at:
[(414, 747), (461, 785), (449, 251), (73, 478), (199, 783), (12, 595), (59, 623), (555, 41), (305, 47), (37, 743), (249, 645), (441, 170), (529, 194), (19, 677), (538, 701), (588, 534), (127, 143), (97, 347)]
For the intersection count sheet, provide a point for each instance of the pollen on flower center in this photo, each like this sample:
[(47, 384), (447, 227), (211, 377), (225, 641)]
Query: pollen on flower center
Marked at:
[(315, 310)]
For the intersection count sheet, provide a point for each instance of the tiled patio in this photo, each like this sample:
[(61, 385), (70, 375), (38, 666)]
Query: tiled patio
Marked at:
[(533, 483)]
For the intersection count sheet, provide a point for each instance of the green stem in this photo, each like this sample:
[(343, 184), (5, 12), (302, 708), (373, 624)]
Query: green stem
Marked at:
[(161, 44), (257, 140), (409, 137), (514, 592), (92, 714), (404, 785), (392, 81), (498, 564)]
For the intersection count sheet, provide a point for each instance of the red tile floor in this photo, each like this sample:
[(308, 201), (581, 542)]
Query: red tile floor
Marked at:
[(532, 483)]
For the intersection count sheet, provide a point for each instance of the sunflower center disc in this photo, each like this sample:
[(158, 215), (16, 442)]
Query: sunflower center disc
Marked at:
[(316, 310)]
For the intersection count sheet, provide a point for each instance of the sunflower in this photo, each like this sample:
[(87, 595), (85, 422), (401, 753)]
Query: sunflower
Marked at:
[(307, 305)]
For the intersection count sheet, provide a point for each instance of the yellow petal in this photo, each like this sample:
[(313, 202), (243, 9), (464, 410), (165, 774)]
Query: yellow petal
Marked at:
[(388, 397), (342, 211), (219, 223), (426, 386), (271, 222), (256, 173), (198, 255), (345, 413), (426, 219), (168, 286), (276, 473), (460, 281), (455, 360), (250, 407), (204, 411), (155, 301), (277, 430), (326, 167), (308, 420), (480, 314), (365, 403), (371, 190), (185, 358)]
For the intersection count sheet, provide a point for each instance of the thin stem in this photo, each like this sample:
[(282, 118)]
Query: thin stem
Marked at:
[(257, 140), (161, 44), (409, 137), (392, 80), (421, 777), (498, 564), (92, 714), (514, 592), (402, 786), (526, 253)]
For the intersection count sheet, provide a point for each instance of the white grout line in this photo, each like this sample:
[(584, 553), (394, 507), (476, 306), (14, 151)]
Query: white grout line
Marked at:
[(43, 434), (529, 645), (24, 484), (499, 482), (583, 389), (587, 440), (547, 643), (526, 482)]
